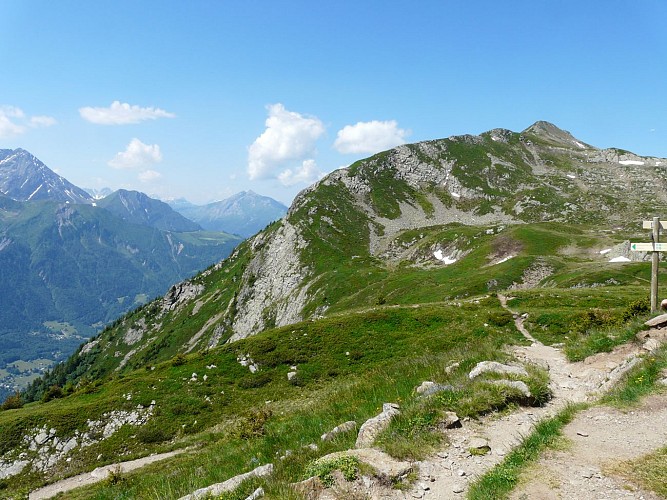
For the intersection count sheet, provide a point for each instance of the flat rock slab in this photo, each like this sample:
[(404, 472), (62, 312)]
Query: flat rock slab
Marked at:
[(658, 321)]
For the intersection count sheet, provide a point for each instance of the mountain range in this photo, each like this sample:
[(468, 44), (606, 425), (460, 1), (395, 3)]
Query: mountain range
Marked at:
[(394, 271), (71, 263)]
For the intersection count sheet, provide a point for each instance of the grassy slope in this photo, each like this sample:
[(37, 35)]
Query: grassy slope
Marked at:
[(392, 348)]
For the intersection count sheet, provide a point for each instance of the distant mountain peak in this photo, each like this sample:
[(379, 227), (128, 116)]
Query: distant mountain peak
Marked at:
[(551, 133), (243, 213), (139, 208), (24, 177)]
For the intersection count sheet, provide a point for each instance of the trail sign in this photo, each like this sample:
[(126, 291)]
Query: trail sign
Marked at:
[(648, 247), (655, 248), (648, 224)]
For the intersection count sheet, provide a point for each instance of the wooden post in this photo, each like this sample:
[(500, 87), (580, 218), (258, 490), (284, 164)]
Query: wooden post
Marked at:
[(655, 260)]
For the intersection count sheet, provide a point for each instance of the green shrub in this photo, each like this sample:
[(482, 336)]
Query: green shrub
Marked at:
[(253, 423), (13, 402), (349, 467), (635, 308), (153, 433), (178, 360), (53, 392), (255, 381), (501, 318)]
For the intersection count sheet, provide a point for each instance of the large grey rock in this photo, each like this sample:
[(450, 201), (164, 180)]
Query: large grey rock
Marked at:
[(372, 428), (657, 322), (495, 367)]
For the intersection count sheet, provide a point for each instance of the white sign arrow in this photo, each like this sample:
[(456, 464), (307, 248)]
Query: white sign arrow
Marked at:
[(648, 247)]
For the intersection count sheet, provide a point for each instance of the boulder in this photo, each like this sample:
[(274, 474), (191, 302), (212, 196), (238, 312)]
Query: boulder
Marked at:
[(479, 446), (657, 322), (450, 420), (310, 488), (372, 428), (495, 367)]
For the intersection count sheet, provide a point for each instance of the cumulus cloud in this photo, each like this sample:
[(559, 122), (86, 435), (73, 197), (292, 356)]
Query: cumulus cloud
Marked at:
[(122, 114), (307, 173), (370, 137), (137, 154), (149, 175), (13, 121), (289, 136)]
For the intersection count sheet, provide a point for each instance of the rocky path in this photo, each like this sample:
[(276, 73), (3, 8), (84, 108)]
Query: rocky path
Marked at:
[(597, 438), (452, 470)]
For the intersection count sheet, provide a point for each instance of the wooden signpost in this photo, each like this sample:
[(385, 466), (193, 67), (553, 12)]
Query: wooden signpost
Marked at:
[(655, 247)]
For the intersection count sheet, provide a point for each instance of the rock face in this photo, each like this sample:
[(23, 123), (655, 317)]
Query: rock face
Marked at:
[(372, 428), (274, 277), (43, 448)]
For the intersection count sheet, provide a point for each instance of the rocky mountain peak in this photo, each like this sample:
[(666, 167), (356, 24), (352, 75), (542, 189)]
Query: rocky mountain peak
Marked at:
[(138, 208), (23, 177), (552, 134)]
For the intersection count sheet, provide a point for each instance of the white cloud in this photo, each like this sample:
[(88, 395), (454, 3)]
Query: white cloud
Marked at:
[(122, 114), (370, 137), (13, 121), (288, 136), (307, 173), (137, 154), (149, 175), (42, 121)]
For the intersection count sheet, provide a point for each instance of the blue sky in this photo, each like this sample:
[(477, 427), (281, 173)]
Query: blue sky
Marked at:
[(202, 99)]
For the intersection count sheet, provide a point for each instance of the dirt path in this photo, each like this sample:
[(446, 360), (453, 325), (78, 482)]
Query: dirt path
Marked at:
[(449, 474), (97, 475), (597, 438)]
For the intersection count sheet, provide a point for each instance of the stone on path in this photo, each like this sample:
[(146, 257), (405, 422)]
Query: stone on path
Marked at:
[(657, 322)]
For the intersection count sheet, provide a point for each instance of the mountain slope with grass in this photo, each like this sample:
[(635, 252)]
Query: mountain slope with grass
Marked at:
[(409, 225), (380, 277)]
